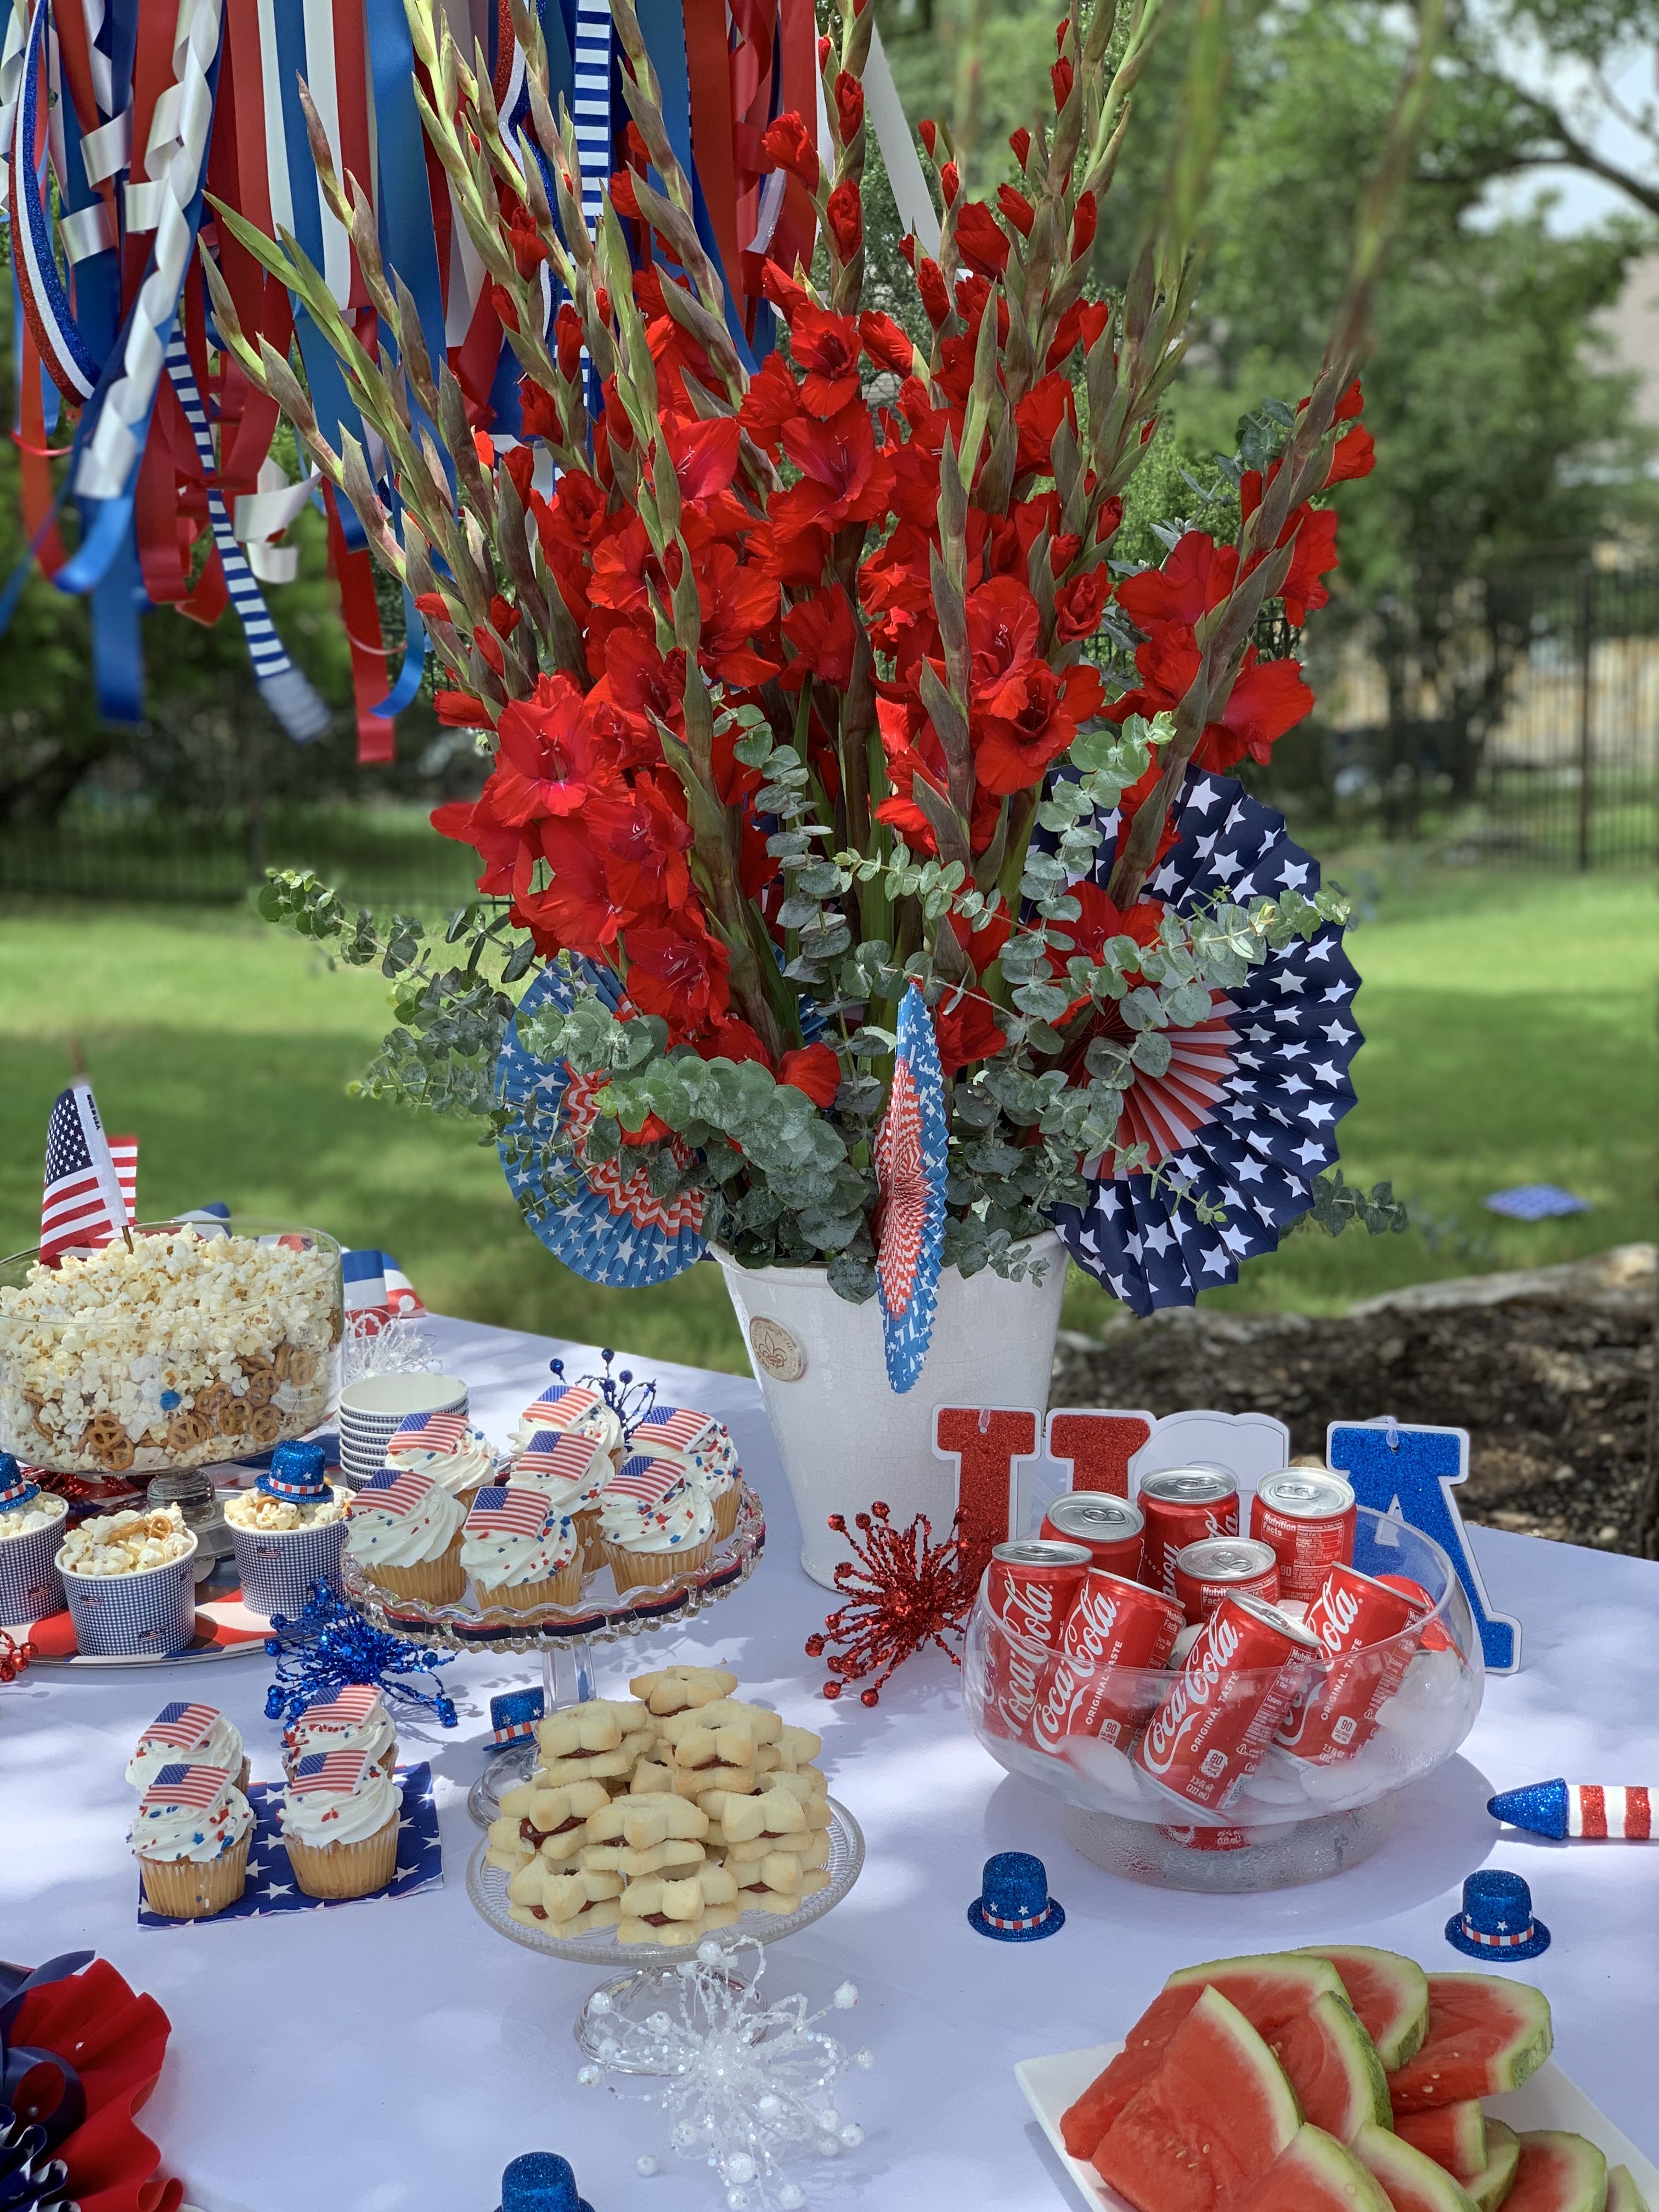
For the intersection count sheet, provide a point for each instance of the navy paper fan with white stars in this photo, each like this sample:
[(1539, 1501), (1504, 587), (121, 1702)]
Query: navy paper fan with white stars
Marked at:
[(606, 1225), (1246, 1115)]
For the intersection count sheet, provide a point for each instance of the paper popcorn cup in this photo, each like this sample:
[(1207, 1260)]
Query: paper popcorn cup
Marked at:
[(148, 1614), (192, 1889), (279, 1565), (345, 1869), (30, 1584)]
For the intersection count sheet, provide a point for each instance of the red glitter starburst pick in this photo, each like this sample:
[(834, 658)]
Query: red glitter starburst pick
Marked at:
[(902, 1590), (14, 1656)]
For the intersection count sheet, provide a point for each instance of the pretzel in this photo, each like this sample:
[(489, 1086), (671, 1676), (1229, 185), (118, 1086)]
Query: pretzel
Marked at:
[(265, 1424), (261, 1375), (108, 1442)]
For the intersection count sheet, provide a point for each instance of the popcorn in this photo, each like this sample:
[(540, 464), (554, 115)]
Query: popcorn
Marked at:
[(251, 1509), (126, 1543), (161, 1355)]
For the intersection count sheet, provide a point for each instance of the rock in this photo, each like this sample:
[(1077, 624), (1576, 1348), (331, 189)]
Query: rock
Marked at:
[(1616, 1280)]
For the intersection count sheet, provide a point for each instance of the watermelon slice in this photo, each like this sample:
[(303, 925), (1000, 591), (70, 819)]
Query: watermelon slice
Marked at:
[(1210, 2121), (1483, 2035), (1623, 2195), (1332, 2066), (1270, 1991), (1316, 2175), (1503, 2157), (1390, 1993), (1559, 2172), (1453, 2135), (1412, 2182)]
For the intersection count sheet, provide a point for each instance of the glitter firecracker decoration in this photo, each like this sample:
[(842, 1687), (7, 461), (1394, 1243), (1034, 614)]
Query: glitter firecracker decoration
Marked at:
[(14, 1656), (331, 1647), (749, 2086), (902, 1590)]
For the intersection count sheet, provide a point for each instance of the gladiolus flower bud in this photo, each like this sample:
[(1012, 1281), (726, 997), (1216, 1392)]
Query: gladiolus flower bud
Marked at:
[(1021, 142), (1061, 77), (1082, 226), (950, 180)]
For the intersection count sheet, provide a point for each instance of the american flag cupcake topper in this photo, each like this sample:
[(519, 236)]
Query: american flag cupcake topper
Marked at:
[(420, 1434), (503, 1510), (649, 1482), (670, 1428), (560, 1406), (558, 1458), (347, 1708), (178, 1726), (391, 1491), (197, 1787), (337, 1772)]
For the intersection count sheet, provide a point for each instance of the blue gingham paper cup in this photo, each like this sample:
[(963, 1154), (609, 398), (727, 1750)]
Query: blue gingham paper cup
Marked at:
[(30, 1584), (278, 1565), (148, 1614)]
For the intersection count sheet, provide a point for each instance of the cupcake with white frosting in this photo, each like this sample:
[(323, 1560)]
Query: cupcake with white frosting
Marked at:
[(458, 1456), (353, 1719), (654, 1523), (190, 1840), (405, 1530), (340, 1815), (194, 1734), (701, 1448), (571, 1469), (521, 1551)]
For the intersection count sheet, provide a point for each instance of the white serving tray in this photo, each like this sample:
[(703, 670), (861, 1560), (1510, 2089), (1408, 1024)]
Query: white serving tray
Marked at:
[(1550, 2099)]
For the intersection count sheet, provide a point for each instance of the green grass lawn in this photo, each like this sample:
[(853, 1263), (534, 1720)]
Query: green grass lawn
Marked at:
[(1510, 1028)]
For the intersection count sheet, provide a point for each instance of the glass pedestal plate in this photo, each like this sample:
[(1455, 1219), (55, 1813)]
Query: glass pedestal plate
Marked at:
[(644, 1977), (564, 1636)]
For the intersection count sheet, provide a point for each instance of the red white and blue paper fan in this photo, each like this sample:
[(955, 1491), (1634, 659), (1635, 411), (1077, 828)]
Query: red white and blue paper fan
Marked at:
[(1246, 1114), (604, 1223), (910, 1151)]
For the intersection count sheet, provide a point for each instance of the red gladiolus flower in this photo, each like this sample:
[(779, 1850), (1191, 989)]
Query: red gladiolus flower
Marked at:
[(545, 762), (644, 842), (1083, 225), (887, 342), (771, 401), (1269, 698), (845, 216), (621, 196), (843, 479), (1021, 142), (950, 183), (850, 106), (1197, 574), (966, 1030), (1101, 919), (506, 313), (982, 245), (814, 1069), (825, 47), (474, 823), (1016, 208), (540, 411), (929, 133), (1353, 455), (460, 710), (504, 617), (1060, 76), (1081, 605), (733, 1039), (739, 605), (935, 299), (568, 338), (825, 637), (678, 971), (786, 296), (789, 145), (432, 607), (1038, 416), (826, 347)]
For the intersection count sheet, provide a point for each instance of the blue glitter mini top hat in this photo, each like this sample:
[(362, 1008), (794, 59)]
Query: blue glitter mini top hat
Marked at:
[(1015, 1906), (295, 1473), (541, 2181), (16, 1488), (512, 1717), (1496, 1922)]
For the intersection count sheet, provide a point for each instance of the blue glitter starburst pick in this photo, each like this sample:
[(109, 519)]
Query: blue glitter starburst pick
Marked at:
[(331, 1646)]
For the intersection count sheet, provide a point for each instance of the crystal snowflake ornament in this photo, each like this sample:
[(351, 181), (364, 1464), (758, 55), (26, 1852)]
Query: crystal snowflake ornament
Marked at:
[(746, 2087)]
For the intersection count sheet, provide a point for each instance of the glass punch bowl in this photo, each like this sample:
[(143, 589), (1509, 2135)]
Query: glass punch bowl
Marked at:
[(1289, 1821)]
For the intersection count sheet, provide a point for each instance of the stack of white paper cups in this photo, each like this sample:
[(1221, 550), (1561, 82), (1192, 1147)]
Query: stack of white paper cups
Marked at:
[(372, 1411)]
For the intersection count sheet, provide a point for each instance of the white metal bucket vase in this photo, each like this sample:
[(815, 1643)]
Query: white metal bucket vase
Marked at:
[(845, 1436)]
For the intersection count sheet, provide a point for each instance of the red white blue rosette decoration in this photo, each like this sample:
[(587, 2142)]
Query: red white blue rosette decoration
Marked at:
[(604, 1223), (1245, 1116), (910, 1158)]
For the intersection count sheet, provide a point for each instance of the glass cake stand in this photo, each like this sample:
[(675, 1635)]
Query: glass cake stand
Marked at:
[(651, 1986), (564, 1636)]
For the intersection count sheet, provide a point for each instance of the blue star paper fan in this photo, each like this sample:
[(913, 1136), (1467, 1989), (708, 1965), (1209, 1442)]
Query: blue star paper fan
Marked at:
[(910, 1153), (1246, 1114), (608, 1228)]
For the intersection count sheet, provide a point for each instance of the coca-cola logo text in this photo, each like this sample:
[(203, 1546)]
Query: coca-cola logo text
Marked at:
[(1196, 1685), (1028, 1608), (1333, 1619)]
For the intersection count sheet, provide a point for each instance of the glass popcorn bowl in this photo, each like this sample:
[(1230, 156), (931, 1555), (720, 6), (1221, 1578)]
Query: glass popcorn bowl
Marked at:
[(1379, 1721), (209, 1340)]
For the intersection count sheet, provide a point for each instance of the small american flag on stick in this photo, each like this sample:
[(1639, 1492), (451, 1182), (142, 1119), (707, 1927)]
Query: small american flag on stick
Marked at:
[(647, 1481), (338, 1771), (502, 1510), (180, 1725), (198, 1787), (428, 1432), (86, 1201), (563, 1459)]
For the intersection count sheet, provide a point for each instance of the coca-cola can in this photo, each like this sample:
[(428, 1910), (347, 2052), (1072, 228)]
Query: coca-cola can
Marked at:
[(1205, 1572), (1241, 1677), (1434, 1637), (1016, 1670), (1111, 1529), (1362, 1627), (1308, 1516), (1114, 1625), (1211, 1839), (1031, 1585), (1183, 1507)]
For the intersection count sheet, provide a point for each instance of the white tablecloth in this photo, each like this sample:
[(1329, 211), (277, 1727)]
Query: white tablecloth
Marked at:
[(391, 2056)]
